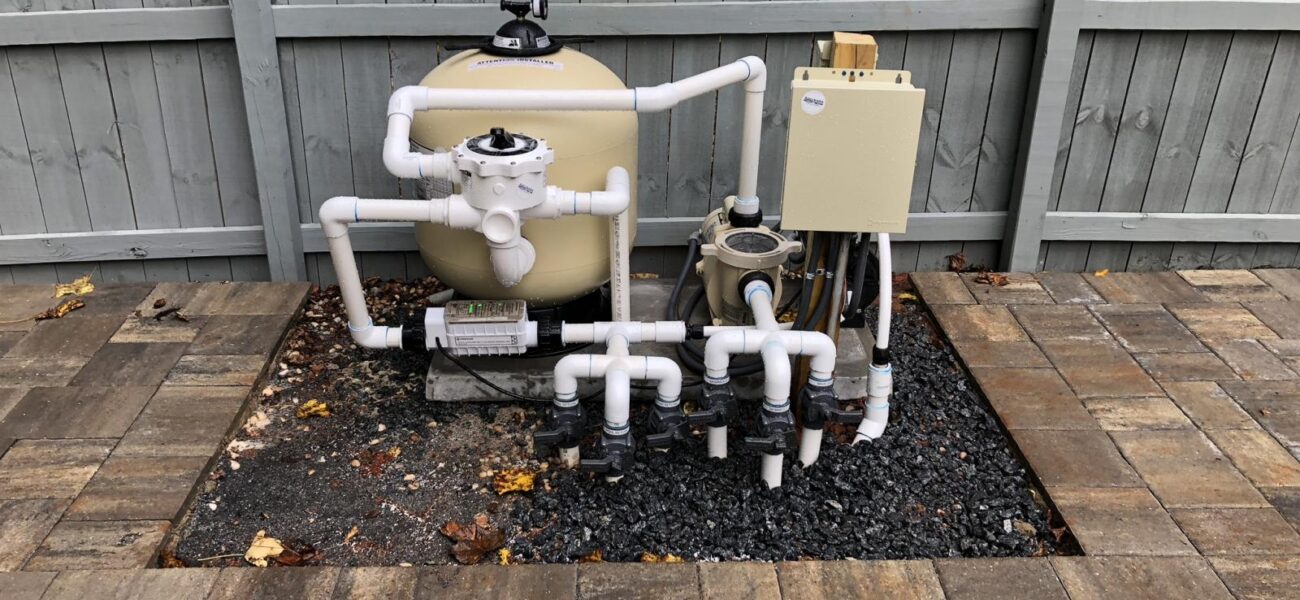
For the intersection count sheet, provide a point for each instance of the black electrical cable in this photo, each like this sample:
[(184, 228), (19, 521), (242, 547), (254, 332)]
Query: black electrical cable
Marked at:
[(499, 389), (805, 321), (865, 277)]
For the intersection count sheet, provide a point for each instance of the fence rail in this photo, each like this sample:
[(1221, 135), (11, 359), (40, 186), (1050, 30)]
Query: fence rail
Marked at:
[(197, 142)]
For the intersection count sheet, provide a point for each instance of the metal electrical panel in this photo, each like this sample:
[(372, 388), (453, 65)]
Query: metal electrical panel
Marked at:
[(851, 150)]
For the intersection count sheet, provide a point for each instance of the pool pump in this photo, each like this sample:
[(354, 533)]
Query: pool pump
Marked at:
[(526, 152)]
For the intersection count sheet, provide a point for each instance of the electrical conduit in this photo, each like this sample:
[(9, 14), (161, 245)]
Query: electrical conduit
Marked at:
[(880, 378)]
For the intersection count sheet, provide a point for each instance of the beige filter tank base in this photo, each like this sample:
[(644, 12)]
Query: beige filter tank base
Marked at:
[(573, 251)]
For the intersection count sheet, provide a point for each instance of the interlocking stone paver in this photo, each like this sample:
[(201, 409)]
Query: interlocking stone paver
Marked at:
[(937, 287), (25, 586), (517, 582), (1259, 577), (183, 421), (1258, 456), (75, 412), (21, 302), (138, 488), (1185, 470), (1230, 285), (637, 580), (304, 583), (238, 298), (50, 468), (1286, 501), (376, 583), (1069, 288), (1099, 368), (1273, 404), (1059, 322), (1032, 399), (9, 338), (980, 353), (1282, 317), (146, 329), (111, 300), (1147, 328), (1021, 288), (1284, 348), (1286, 281), (75, 545), (1230, 531), (42, 371), (130, 364), (903, 579), (1120, 521), (999, 578), (216, 369), (1220, 321), (987, 323), (1138, 578), (66, 337), (1251, 360), (1136, 414), (240, 334), (136, 584), (1075, 458), (23, 524), (739, 581), (1185, 366), (1209, 406), (9, 398), (1144, 288)]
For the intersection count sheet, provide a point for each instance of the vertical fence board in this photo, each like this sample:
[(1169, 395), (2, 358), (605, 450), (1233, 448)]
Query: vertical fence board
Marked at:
[(961, 126), (927, 58), (1000, 143), (1271, 132), (784, 54), (690, 157), (727, 126)]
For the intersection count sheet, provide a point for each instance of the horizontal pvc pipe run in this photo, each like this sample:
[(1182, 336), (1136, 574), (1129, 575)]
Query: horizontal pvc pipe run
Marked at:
[(635, 332)]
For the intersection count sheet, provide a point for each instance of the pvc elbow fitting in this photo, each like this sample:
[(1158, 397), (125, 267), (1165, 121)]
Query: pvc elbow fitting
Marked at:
[(376, 337)]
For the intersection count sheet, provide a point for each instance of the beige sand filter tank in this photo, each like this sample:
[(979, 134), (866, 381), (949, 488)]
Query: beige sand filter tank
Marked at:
[(573, 251)]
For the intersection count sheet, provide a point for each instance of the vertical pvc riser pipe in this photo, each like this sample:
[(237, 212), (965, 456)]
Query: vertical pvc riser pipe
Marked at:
[(880, 377)]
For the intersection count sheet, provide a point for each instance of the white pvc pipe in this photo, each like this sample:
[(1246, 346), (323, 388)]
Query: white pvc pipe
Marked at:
[(886, 300), (771, 470), (717, 439), (620, 271), (723, 345), (810, 446), (635, 332), (758, 296), (776, 375), (402, 162)]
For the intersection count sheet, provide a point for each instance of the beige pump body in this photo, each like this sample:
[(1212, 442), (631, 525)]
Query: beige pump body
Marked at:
[(573, 251)]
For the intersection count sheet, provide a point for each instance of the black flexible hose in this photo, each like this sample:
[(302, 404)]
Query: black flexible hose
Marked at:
[(828, 292), (690, 355), (865, 277)]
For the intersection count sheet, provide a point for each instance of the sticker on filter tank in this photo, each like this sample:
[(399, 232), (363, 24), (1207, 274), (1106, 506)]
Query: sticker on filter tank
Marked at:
[(535, 63), (813, 102)]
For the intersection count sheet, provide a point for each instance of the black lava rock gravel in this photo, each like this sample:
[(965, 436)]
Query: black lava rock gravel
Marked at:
[(942, 481)]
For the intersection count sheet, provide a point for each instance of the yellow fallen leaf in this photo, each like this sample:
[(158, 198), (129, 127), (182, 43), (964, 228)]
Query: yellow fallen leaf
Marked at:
[(513, 480), (594, 556), (351, 534), (79, 287), (313, 408), (907, 296), (1102, 273), (263, 548), (503, 556), (647, 557), (643, 276), (393, 452)]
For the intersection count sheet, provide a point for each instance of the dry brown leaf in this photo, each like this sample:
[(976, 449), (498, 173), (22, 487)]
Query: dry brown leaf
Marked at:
[(993, 279), (351, 534), (313, 408), (472, 542), (79, 287), (159, 303), (262, 549), (61, 310), (168, 560), (957, 262), (644, 276), (594, 556), (513, 480), (1102, 273)]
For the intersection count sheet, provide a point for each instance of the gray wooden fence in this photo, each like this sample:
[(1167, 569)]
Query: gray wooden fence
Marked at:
[(164, 139)]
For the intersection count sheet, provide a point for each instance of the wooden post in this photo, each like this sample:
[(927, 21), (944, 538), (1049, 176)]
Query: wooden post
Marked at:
[(259, 68), (1049, 82), (853, 51)]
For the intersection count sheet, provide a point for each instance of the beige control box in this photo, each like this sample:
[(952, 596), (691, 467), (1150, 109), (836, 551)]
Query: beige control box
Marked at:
[(851, 150)]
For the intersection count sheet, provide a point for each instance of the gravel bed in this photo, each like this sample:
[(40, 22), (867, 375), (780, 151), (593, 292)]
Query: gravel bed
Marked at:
[(942, 482)]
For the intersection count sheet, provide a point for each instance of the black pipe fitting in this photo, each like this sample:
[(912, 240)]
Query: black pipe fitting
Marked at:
[(566, 428), (717, 403), (777, 432), (669, 425), (413, 338), (741, 220), (880, 356), (618, 455), (750, 277), (818, 405)]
